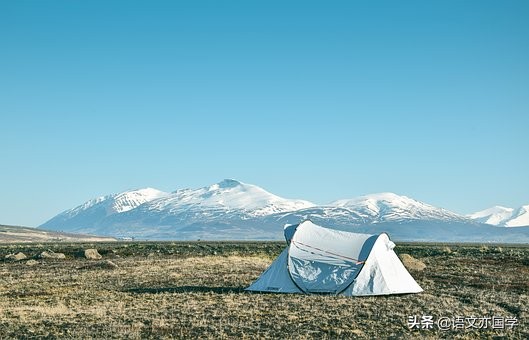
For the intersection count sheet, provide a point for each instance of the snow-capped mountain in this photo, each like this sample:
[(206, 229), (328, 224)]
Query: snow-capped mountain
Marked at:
[(233, 210), (228, 196), (495, 215), (89, 213), (389, 207), (228, 200), (384, 210), (503, 217)]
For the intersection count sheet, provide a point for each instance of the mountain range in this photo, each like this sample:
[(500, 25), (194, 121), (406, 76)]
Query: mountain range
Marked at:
[(232, 210)]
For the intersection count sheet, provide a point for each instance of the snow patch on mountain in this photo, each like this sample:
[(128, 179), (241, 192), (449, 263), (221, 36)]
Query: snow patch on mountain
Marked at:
[(129, 200)]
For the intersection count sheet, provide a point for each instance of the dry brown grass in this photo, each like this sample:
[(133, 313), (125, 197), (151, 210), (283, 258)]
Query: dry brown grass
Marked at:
[(155, 294)]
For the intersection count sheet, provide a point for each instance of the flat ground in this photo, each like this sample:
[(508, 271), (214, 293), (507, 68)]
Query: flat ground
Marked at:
[(15, 234), (196, 289)]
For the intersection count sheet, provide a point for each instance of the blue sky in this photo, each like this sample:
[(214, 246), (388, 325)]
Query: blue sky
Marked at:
[(308, 99)]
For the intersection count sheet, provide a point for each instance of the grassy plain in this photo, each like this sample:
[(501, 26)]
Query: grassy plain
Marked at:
[(196, 290)]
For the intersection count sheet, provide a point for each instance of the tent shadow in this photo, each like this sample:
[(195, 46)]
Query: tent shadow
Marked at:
[(184, 289)]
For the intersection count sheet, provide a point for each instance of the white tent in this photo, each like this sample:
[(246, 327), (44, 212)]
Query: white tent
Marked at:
[(322, 260)]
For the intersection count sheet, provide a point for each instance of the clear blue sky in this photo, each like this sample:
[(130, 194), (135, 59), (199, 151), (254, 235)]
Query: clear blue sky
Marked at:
[(309, 99)]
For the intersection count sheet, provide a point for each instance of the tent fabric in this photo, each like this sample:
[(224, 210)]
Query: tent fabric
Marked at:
[(276, 278), (383, 273), (323, 260)]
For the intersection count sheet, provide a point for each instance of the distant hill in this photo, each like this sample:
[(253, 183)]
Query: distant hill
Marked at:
[(14, 234)]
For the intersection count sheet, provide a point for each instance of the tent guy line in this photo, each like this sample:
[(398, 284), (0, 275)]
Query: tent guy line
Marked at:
[(356, 261)]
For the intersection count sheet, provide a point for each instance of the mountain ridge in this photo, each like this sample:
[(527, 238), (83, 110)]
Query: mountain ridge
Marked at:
[(235, 210)]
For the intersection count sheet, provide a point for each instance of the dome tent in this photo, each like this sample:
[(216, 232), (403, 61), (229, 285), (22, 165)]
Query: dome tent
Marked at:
[(323, 260)]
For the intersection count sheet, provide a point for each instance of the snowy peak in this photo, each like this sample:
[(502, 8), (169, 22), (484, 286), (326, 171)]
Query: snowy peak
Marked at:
[(227, 183), (376, 202), (117, 203), (230, 196), (387, 206), (520, 217), (496, 215), (503, 217), (87, 216)]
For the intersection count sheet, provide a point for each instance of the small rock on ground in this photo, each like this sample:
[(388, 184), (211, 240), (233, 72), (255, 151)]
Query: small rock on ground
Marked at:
[(32, 263), (92, 254), (48, 254), (16, 257)]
